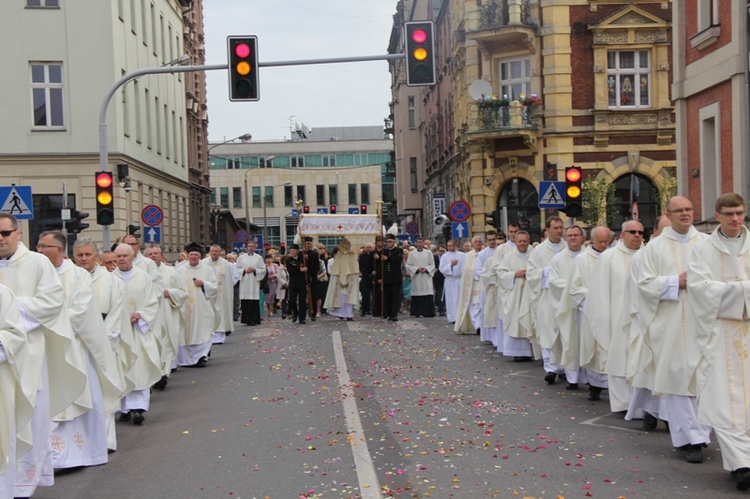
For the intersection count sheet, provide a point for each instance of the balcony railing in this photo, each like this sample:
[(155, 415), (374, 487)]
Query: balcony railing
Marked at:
[(497, 13), (500, 116)]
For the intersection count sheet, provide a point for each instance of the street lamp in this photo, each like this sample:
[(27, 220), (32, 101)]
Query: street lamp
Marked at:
[(265, 219), (244, 137)]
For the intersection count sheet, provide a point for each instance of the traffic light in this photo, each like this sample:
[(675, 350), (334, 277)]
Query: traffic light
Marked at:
[(133, 230), (363, 209), (306, 210), (105, 198), (74, 226), (333, 209), (493, 219), (420, 53), (573, 191), (243, 68)]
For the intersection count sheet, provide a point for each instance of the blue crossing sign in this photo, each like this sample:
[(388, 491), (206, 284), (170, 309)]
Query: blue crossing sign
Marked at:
[(16, 200), (551, 194)]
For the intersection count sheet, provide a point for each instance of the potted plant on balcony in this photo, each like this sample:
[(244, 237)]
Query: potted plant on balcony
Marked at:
[(491, 109), (531, 101)]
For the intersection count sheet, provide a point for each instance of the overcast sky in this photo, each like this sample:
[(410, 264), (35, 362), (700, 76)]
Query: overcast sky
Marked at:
[(344, 94)]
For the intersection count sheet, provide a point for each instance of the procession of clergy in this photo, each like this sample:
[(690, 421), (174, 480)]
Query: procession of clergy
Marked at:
[(662, 326), (82, 342)]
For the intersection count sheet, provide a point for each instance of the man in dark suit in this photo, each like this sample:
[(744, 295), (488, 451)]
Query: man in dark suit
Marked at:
[(377, 306), (392, 258), (311, 258), (297, 284), (438, 281), (366, 268)]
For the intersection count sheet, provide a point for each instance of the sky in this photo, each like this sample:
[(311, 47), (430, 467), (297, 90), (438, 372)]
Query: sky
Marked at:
[(342, 94)]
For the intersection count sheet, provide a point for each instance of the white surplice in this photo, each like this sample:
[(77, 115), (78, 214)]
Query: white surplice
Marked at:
[(171, 320), (452, 283), (516, 314), (226, 278), (467, 294), (250, 281), (421, 282), (560, 270), (201, 318)]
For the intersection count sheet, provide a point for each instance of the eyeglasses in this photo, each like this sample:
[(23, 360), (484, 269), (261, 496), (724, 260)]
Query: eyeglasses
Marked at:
[(46, 246), (681, 210), (491, 240), (7, 233), (732, 213), (633, 231)]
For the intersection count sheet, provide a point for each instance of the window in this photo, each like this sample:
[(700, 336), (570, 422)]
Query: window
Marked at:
[(256, 196), (236, 197), (154, 31), (149, 125), (710, 156), (628, 79), (412, 113), (288, 197), (224, 192), (265, 162), (269, 195), (413, 174), (364, 193), (234, 163), (132, 16), (157, 113), (352, 194), (708, 14), (212, 200), (301, 193), (515, 78), (125, 109), (333, 194), (144, 23), (47, 93), (42, 3), (329, 160), (298, 161), (320, 195)]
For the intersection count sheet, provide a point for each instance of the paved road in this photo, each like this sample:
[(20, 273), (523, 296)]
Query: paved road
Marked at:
[(441, 416)]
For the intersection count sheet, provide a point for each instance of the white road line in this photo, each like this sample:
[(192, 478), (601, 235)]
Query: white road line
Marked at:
[(369, 486), (593, 422)]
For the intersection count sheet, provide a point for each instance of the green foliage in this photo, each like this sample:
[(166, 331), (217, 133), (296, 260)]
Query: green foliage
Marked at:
[(667, 190), (598, 202)]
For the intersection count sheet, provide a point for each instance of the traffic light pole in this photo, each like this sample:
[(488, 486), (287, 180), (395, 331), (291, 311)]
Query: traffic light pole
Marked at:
[(103, 146)]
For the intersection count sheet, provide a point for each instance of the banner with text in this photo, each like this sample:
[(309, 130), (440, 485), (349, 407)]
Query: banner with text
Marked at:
[(339, 225)]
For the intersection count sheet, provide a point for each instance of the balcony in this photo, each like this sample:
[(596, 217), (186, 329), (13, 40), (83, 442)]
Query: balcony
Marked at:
[(503, 22), (499, 119)]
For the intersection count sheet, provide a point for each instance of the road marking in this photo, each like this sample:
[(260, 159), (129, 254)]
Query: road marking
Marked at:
[(369, 486), (593, 422)]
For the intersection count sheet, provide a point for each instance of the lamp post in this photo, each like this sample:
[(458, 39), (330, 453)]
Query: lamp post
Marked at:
[(265, 218), (248, 200)]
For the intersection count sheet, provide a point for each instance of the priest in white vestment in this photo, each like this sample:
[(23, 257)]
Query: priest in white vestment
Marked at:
[(81, 439), (469, 292), (226, 277), (608, 310), (421, 266), (451, 264), (252, 269), (491, 328), (342, 296), (540, 300), (57, 371), (516, 313), (718, 280), (477, 310), (172, 293), (560, 269), (201, 317), (140, 261), (662, 301), (16, 394), (109, 295), (142, 304)]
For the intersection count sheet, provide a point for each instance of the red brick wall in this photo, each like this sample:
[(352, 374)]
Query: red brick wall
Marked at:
[(691, 25)]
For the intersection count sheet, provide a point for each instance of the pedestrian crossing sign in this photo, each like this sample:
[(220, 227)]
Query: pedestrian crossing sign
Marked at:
[(16, 200), (551, 194)]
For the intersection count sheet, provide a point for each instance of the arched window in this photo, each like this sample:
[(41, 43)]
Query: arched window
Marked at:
[(644, 192), (522, 201)]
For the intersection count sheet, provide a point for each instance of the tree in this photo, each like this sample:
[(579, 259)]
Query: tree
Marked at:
[(598, 202)]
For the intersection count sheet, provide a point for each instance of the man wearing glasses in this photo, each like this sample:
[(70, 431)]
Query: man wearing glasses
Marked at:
[(607, 309), (718, 286), (40, 299), (143, 263)]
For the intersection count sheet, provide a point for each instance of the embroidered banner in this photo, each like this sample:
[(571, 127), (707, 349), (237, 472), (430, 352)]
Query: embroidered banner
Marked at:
[(339, 225)]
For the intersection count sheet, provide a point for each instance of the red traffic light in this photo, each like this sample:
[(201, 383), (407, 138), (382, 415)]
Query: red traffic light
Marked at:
[(572, 174), (305, 210), (420, 53), (242, 55), (363, 209), (103, 180), (242, 50), (333, 209), (419, 35)]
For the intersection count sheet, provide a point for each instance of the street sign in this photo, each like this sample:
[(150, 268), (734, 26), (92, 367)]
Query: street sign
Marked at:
[(354, 211), (552, 194), (238, 247), (411, 228), (438, 205), (460, 230), (152, 215), (459, 211), (295, 213), (16, 200), (412, 238), (258, 240), (152, 234), (322, 211), (241, 235)]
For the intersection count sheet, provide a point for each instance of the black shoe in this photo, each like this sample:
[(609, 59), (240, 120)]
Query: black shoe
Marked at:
[(294, 318), (571, 386), (312, 319), (694, 455), (228, 333), (283, 317), (649, 422), (162, 383), (302, 323), (124, 417), (394, 319), (479, 330), (550, 378), (138, 417), (743, 478), (349, 319), (201, 362), (522, 359), (594, 392)]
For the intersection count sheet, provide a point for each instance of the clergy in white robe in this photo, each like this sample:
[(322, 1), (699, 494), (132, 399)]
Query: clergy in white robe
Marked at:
[(537, 287), (421, 266), (143, 263), (57, 371), (109, 297), (201, 317), (469, 292), (477, 309), (172, 293), (16, 394), (451, 264), (81, 440), (661, 300), (142, 304), (607, 309), (342, 297), (516, 313), (718, 280), (226, 277), (560, 270), (491, 328), (252, 269)]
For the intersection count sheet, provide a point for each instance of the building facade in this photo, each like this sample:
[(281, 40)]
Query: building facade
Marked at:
[(267, 182)]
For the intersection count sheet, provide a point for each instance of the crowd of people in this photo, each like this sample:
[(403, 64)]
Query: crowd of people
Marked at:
[(661, 326)]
